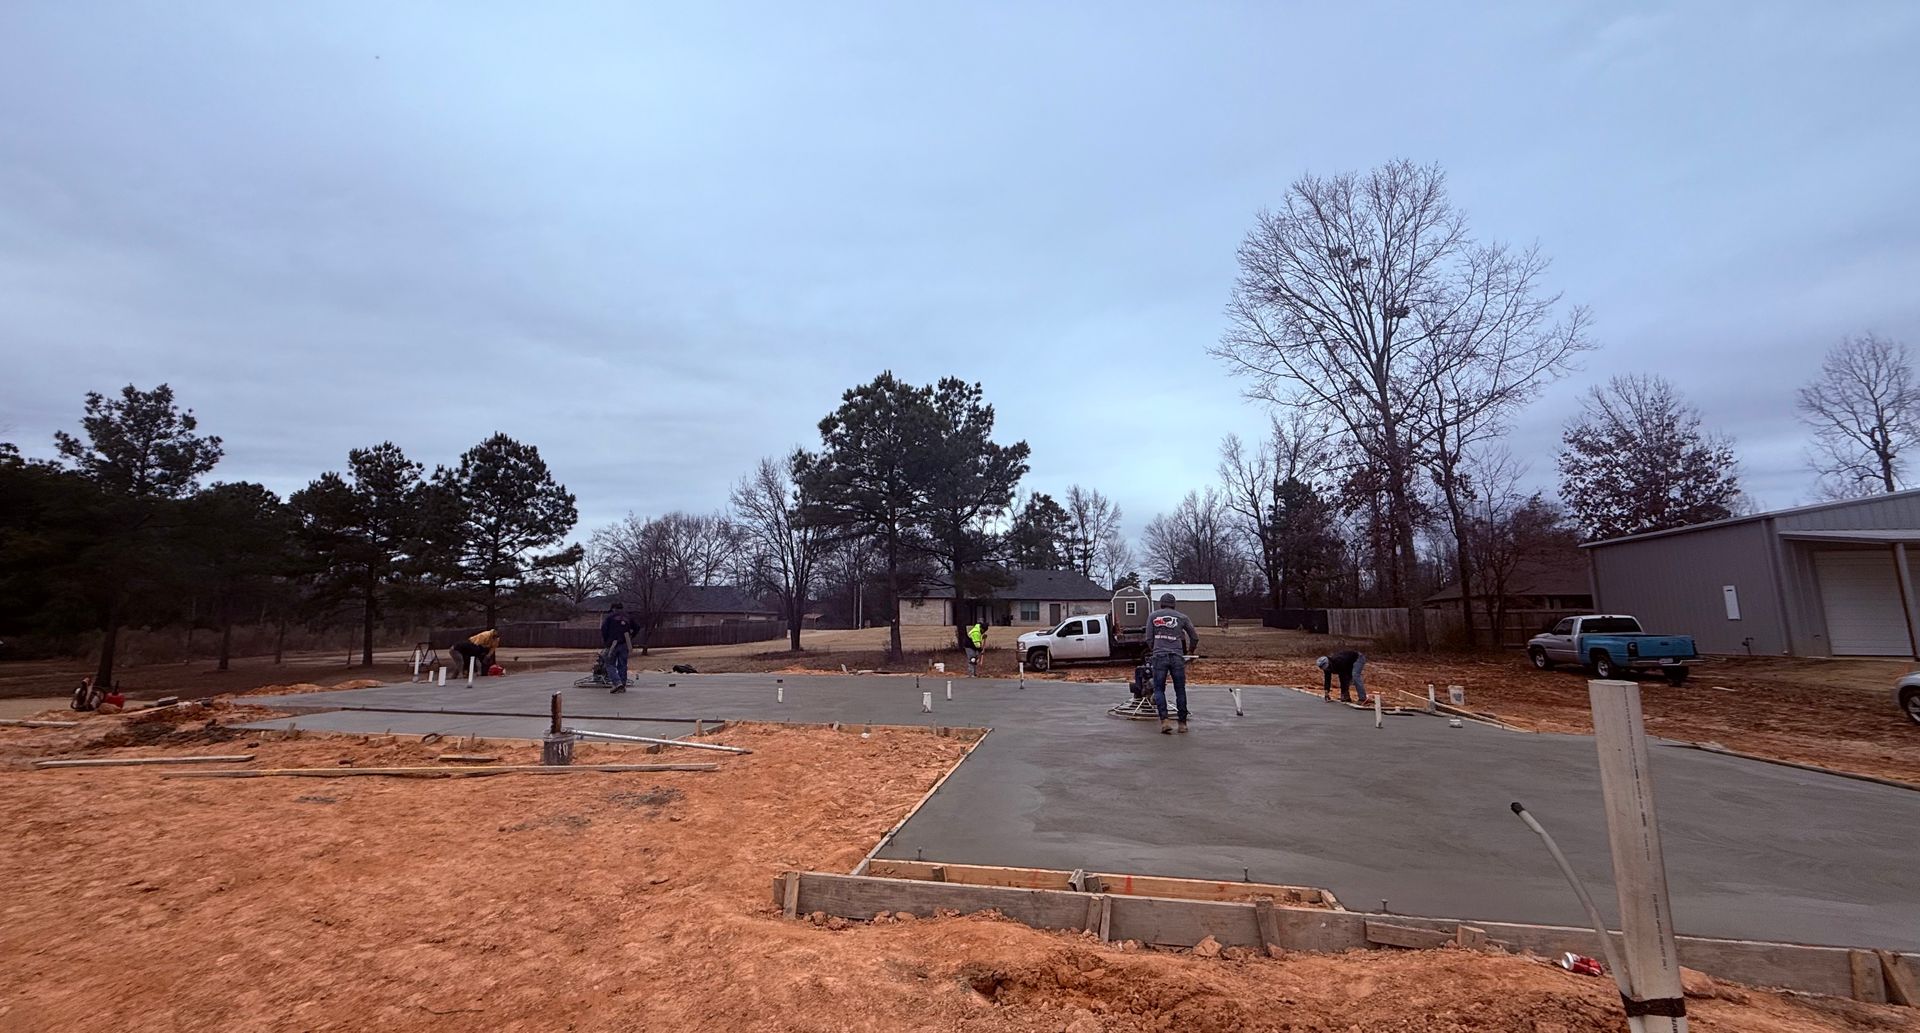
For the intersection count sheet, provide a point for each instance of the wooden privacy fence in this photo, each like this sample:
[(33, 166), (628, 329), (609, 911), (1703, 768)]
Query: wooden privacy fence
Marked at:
[(1390, 622), (549, 635)]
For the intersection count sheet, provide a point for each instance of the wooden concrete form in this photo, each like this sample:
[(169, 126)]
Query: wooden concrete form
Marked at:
[(1098, 882), (1838, 971)]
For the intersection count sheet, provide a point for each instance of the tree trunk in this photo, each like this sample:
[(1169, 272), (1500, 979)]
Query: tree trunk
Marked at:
[(796, 612), (1403, 561), (280, 641), (366, 628), (1462, 552), (493, 604), (109, 641), (226, 635), (895, 650)]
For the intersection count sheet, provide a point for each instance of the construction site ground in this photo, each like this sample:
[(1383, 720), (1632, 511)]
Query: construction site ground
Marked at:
[(1836, 714), (623, 902), (1301, 792)]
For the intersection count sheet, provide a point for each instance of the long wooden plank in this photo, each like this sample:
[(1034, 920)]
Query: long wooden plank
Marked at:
[(1813, 969), (19, 723), (1128, 885), (120, 762), (442, 772)]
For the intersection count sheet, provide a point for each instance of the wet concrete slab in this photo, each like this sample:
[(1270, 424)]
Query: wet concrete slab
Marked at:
[(1299, 791)]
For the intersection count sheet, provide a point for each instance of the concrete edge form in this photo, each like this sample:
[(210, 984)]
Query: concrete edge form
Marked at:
[(1835, 971), (974, 744)]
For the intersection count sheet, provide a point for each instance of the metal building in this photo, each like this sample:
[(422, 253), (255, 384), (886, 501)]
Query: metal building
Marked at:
[(1833, 579)]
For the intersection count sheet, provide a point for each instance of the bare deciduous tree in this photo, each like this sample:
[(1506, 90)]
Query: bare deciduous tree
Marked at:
[(1194, 543), (652, 563), (782, 551), (1094, 541), (1865, 413), (585, 577), (1364, 301)]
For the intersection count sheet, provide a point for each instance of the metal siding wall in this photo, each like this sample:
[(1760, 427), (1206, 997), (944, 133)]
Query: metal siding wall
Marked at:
[(1673, 585)]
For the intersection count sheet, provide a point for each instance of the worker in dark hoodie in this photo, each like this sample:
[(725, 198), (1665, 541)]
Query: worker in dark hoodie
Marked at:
[(1170, 637), (1350, 665)]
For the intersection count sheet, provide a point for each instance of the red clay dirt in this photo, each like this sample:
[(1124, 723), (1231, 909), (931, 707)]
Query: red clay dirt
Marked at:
[(625, 902)]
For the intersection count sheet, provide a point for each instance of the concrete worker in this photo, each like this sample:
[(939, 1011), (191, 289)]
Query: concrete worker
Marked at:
[(1349, 665), (616, 639), (976, 644), (1170, 637), (478, 649)]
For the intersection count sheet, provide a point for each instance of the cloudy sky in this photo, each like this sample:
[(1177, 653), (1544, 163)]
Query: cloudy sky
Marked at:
[(659, 240)]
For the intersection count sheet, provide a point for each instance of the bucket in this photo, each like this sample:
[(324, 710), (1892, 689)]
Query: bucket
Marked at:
[(940, 668)]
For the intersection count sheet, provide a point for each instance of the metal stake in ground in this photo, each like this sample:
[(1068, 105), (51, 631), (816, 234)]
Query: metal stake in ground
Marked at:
[(1657, 1003)]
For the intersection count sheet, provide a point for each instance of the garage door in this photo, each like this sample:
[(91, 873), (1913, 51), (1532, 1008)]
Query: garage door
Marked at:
[(1862, 600)]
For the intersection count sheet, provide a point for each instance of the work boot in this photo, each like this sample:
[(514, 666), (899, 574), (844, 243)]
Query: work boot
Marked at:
[(1183, 728), (1166, 727)]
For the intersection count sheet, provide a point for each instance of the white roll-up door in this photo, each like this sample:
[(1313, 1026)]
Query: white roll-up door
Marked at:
[(1861, 596)]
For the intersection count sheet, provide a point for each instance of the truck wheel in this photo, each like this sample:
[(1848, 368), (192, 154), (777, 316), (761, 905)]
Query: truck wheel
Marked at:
[(1539, 658), (1603, 666), (1676, 675), (1038, 659), (1910, 702)]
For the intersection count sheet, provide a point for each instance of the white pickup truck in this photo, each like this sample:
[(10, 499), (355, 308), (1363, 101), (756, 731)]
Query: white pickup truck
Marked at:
[(1094, 636)]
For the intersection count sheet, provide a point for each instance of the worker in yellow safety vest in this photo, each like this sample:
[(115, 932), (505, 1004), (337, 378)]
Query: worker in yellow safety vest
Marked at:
[(976, 644)]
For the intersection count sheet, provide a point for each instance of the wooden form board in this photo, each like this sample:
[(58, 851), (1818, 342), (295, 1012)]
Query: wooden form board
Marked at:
[(1183, 923), (1096, 882)]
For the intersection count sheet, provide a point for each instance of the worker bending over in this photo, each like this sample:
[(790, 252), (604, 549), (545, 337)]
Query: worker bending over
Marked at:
[(479, 650), (1170, 637), (1349, 665), (976, 644)]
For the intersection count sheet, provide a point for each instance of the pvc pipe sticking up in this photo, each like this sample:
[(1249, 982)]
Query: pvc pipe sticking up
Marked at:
[(443, 677), (1238, 710), (1433, 702), (926, 703), (949, 688), (1376, 710)]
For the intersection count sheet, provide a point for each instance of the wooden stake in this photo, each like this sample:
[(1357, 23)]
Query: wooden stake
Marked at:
[(1639, 867), (791, 906), (1903, 987)]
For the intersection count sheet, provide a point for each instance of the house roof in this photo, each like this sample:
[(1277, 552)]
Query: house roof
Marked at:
[(1066, 586), (1558, 574)]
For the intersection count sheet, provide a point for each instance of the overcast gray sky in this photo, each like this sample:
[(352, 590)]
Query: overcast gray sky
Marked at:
[(659, 241)]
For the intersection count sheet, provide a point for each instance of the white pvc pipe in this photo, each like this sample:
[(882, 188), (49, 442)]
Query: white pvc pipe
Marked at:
[(469, 672), (1376, 710), (949, 690), (926, 703), (1238, 710), (659, 742), (443, 677)]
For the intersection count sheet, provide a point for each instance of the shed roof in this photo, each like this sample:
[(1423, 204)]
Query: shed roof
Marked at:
[(1865, 501), (1188, 593)]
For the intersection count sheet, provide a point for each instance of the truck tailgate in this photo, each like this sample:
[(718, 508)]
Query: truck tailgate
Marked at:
[(1678, 647)]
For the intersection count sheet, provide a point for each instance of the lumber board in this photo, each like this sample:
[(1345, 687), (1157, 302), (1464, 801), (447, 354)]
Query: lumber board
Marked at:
[(1903, 986), (790, 894), (1128, 885), (1472, 937), (1266, 924), (441, 772), (19, 723), (861, 897), (467, 758), (1868, 982), (127, 762), (1811, 969), (1633, 837), (1410, 936)]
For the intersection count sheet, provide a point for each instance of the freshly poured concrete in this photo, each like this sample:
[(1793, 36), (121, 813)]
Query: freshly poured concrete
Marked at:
[(1302, 792)]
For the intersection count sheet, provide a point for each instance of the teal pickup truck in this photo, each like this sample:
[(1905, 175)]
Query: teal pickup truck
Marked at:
[(1611, 645)]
